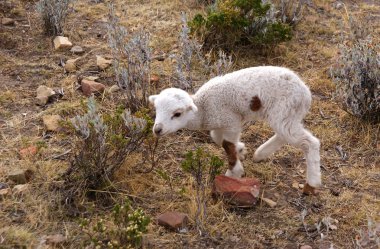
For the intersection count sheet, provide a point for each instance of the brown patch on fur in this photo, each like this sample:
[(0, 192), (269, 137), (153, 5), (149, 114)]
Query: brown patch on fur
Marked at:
[(255, 104), (231, 153), (309, 190)]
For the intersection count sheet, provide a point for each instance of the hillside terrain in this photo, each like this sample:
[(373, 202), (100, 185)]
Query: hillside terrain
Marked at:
[(346, 210)]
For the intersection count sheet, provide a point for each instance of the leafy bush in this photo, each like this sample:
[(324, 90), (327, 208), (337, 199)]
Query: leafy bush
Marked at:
[(357, 76), (235, 22), (131, 62), (104, 141), (124, 229), (203, 167), (54, 14)]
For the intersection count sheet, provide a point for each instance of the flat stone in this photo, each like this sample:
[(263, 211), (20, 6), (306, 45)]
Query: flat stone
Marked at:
[(70, 65), (62, 43), (306, 247), (103, 63), (20, 189), (51, 122), (114, 88), (270, 202), (242, 192), (173, 220), (91, 87), (55, 239), (21, 176), (77, 50), (8, 21), (43, 94), (28, 151), (91, 78)]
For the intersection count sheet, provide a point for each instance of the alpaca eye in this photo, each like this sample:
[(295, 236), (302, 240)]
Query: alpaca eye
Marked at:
[(177, 115)]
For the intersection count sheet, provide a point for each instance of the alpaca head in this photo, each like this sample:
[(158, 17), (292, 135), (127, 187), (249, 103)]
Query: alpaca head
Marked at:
[(174, 109)]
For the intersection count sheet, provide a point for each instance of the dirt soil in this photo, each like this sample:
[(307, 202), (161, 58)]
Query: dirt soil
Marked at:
[(350, 149)]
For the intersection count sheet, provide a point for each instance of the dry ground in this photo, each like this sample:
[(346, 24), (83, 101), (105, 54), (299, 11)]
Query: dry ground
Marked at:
[(351, 189)]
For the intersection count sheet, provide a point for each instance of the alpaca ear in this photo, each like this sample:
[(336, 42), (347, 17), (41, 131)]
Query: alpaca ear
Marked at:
[(152, 98), (193, 107)]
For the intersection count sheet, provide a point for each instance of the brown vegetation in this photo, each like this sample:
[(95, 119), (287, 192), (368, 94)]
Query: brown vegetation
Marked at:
[(350, 148)]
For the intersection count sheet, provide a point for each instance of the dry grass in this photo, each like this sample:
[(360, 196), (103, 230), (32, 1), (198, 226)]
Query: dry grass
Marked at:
[(26, 219)]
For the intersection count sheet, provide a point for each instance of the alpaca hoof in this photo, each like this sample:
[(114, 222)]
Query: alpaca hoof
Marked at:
[(309, 190)]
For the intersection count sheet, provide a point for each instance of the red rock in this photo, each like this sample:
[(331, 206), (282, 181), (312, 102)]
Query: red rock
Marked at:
[(28, 152), (173, 220), (89, 87), (242, 192)]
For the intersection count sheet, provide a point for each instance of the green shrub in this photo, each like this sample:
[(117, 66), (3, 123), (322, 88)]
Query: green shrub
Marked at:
[(124, 229), (203, 167), (239, 22)]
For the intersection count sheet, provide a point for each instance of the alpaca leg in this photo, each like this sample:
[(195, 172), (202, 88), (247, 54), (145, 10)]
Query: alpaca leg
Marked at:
[(241, 150), (298, 136), (217, 136), (268, 148), (230, 144)]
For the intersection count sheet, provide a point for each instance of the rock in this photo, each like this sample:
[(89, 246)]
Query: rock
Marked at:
[(269, 202), (154, 79), (295, 185), (114, 88), (242, 192), (20, 189), (8, 21), (21, 176), (91, 87), (77, 50), (91, 78), (173, 220), (306, 247), (3, 185), (4, 193), (55, 239), (70, 65), (338, 5), (28, 151), (43, 94), (62, 43), (51, 122), (102, 63)]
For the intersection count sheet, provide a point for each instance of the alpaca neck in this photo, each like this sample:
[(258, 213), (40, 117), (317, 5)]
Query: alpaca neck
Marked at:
[(196, 121)]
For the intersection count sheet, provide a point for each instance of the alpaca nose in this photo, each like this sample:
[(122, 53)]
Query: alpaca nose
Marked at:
[(157, 129)]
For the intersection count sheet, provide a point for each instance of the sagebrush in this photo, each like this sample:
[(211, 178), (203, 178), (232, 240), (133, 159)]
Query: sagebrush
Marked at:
[(104, 141), (357, 74), (132, 57), (54, 14)]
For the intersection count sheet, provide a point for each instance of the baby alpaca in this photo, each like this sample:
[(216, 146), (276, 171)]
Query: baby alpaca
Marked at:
[(223, 104)]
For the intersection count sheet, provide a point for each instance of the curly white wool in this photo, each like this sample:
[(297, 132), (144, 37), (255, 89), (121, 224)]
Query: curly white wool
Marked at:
[(223, 104)]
